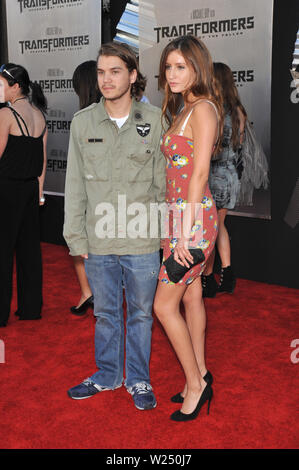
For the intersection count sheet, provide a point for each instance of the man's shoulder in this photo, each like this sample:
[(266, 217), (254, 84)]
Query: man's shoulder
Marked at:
[(149, 109), (86, 111)]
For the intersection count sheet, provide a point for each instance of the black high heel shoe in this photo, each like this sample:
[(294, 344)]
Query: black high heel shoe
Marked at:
[(206, 395), (208, 378), (227, 281), (83, 307)]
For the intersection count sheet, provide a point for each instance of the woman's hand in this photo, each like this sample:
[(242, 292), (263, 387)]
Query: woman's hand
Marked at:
[(181, 253), (42, 198)]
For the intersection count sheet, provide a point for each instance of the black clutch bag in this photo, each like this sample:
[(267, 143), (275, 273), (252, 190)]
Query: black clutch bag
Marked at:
[(175, 271)]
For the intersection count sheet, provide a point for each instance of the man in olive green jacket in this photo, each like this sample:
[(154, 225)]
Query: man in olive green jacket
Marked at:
[(115, 170)]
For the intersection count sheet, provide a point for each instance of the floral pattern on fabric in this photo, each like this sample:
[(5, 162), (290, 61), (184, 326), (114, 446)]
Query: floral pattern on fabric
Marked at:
[(178, 150)]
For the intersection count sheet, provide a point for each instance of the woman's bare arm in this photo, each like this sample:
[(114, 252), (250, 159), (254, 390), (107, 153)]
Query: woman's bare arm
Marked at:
[(203, 122), (41, 178)]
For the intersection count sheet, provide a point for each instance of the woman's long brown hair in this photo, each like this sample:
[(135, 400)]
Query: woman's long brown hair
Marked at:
[(231, 99), (85, 83), (197, 55)]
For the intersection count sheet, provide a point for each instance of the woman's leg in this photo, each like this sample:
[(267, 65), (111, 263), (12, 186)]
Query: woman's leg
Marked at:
[(196, 321), (195, 314), (82, 278), (223, 242), (167, 308), (227, 277), (223, 245)]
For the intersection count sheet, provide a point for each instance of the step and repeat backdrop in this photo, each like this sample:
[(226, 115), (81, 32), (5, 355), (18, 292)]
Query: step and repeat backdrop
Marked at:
[(236, 32), (50, 38)]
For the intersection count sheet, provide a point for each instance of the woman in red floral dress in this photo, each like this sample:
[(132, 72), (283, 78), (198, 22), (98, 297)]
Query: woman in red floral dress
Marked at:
[(186, 72)]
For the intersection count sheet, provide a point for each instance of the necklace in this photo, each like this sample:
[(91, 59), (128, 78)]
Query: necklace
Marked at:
[(18, 99)]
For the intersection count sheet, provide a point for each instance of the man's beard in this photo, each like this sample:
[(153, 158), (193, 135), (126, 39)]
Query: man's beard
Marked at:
[(119, 96)]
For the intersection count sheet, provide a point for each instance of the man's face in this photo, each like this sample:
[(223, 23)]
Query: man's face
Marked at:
[(114, 79)]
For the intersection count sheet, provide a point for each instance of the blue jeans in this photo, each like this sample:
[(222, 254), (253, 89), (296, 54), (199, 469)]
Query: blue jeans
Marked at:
[(107, 274)]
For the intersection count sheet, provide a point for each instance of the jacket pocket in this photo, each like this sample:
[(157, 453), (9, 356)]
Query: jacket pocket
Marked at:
[(95, 161), (140, 167)]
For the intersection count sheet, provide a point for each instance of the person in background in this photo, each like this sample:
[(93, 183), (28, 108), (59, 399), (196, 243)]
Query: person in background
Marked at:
[(224, 181), (141, 97), (23, 139), (186, 71), (86, 87), (85, 83)]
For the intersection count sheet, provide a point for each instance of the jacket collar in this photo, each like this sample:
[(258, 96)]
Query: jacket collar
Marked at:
[(135, 116)]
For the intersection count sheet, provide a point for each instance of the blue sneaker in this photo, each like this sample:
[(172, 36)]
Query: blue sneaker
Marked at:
[(143, 396), (86, 389)]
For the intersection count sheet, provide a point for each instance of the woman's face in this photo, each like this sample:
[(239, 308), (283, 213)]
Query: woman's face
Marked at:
[(5, 90), (179, 75)]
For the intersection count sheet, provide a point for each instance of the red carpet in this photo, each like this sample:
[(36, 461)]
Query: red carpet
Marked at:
[(248, 351)]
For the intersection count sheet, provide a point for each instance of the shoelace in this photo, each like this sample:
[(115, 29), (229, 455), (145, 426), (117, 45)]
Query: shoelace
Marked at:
[(89, 382), (142, 388)]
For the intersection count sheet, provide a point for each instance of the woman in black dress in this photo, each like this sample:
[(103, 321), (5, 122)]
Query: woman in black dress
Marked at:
[(23, 137)]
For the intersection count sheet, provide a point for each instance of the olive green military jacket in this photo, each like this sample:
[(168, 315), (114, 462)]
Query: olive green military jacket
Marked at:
[(115, 179)]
